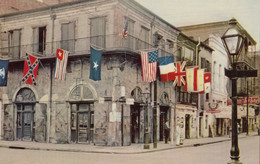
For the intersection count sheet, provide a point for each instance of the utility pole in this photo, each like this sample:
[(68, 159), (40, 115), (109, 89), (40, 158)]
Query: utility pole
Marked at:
[(247, 119)]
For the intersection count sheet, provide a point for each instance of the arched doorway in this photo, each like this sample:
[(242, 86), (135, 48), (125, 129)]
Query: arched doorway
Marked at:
[(135, 116), (81, 101), (25, 102)]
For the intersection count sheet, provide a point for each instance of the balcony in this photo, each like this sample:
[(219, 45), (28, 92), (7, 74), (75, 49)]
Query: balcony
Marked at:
[(79, 46)]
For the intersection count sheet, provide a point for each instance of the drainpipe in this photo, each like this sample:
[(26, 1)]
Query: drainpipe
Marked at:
[(198, 108)]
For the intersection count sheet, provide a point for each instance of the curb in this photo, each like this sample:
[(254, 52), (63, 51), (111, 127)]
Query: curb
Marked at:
[(117, 152)]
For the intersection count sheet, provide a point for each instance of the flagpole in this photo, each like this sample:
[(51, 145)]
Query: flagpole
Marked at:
[(198, 103)]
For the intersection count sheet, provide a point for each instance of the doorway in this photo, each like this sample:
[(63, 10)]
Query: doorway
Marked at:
[(135, 123), (163, 118), (82, 123), (187, 126), (25, 122)]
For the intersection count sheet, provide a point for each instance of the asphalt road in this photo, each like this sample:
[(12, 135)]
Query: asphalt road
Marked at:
[(208, 154)]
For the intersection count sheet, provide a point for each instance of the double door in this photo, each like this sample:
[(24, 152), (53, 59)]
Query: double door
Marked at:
[(82, 123), (25, 122)]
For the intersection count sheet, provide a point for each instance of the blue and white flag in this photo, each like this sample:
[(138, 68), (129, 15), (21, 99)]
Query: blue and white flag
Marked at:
[(3, 72), (95, 64)]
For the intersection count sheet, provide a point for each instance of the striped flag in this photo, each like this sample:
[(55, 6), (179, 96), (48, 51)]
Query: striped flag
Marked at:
[(61, 64), (149, 65)]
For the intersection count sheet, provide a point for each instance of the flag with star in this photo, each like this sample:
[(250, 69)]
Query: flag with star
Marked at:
[(3, 72), (149, 65), (95, 64), (61, 64), (30, 70)]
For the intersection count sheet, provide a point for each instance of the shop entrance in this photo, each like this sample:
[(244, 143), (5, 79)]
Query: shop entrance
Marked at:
[(163, 118), (82, 123), (135, 123)]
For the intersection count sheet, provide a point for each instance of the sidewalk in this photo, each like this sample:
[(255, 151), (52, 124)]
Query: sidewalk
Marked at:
[(132, 149)]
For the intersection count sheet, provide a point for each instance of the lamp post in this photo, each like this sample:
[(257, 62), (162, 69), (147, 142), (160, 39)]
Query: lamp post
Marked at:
[(146, 132), (233, 43)]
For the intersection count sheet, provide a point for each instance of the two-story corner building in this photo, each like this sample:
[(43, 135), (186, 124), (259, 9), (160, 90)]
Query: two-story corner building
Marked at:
[(211, 33), (190, 106), (80, 110)]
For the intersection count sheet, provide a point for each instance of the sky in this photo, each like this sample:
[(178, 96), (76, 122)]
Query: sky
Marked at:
[(190, 12)]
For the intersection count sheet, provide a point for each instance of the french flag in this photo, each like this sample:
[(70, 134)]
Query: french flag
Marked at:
[(167, 68)]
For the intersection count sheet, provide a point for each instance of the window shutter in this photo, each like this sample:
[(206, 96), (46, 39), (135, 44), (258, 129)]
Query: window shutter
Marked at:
[(64, 36), (16, 43), (71, 35), (97, 31), (35, 39), (4, 44)]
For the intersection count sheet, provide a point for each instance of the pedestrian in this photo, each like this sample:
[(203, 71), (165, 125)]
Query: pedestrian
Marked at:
[(166, 131)]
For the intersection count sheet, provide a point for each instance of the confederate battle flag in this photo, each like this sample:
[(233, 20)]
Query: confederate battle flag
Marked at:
[(30, 69)]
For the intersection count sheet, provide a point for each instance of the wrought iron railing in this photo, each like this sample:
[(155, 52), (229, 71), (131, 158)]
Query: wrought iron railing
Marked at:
[(79, 46)]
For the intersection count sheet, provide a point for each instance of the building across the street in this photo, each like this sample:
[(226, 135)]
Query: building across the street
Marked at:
[(217, 109)]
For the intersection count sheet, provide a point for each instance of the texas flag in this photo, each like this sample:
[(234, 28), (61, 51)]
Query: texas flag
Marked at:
[(167, 68), (207, 80), (194, 79)]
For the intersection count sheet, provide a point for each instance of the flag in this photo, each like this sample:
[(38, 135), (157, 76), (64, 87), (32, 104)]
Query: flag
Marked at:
[(179, 74), (167, 68), (95, 64), (149, 65), (207, 80), (30, 69), (124, 32), (61, 64), (194, 79), (3, 72)]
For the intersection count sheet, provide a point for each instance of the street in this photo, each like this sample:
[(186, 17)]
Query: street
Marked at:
[(217, 153)]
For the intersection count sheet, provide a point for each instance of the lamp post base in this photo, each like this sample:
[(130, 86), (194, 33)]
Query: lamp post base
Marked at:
[(234, 162)]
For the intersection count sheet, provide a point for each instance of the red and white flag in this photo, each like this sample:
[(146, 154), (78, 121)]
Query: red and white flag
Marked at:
[(194, 80), (207, 80), (61, 64), (149, 65)]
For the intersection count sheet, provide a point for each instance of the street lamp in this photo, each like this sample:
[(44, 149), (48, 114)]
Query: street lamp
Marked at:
[(233, 43), (146, 132)]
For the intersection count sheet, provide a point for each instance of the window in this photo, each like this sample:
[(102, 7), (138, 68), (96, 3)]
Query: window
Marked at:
[(68, 36), (187, 54), (39, 39), (170, 46), (130, 35), (98, 31), (14, 43), (144, 38)]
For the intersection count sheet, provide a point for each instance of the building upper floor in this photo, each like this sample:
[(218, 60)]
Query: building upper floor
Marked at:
[(74, 26)]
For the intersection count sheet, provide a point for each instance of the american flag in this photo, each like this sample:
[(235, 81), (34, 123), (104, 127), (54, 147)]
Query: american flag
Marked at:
[(149, 65), (124, 33), (61, 64)]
